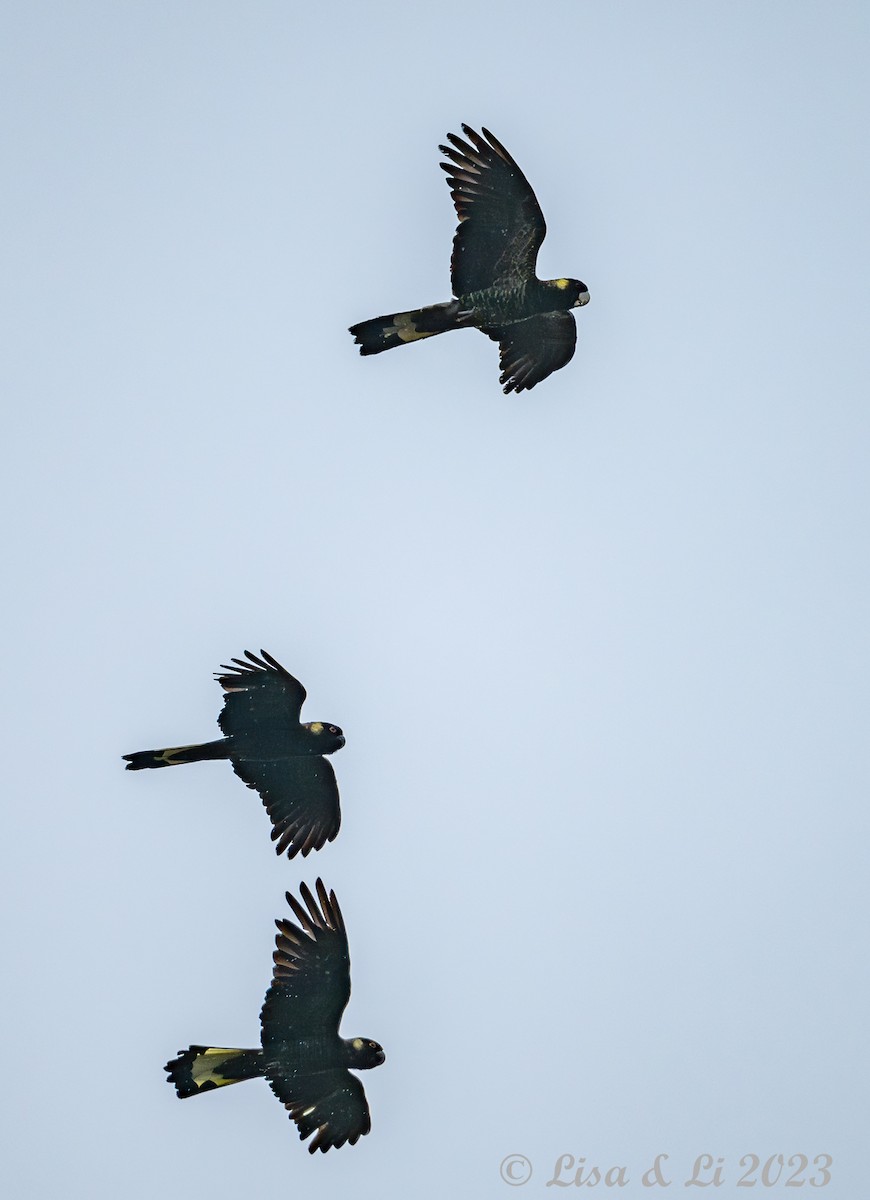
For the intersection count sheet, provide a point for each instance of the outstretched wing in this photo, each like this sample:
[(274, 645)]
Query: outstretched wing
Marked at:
[(330, 1104), (309, 992), (301, 798), (261, 697), (310, 984), (533, 349), (501, 225)]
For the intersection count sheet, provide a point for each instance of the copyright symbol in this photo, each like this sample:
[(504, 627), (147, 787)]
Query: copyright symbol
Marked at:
[(515, 1170)]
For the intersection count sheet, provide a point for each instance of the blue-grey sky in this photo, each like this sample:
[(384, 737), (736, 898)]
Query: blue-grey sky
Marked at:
[(599, 650)]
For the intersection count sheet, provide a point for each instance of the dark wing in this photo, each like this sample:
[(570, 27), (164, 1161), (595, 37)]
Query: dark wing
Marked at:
[(260, 696), (533, 349), (330, 1104), (310, 984), (501, 225), (301, 798)]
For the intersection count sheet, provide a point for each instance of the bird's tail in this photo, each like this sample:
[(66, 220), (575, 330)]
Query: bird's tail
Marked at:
[(382, 333), (174, 755), (203, 1068)]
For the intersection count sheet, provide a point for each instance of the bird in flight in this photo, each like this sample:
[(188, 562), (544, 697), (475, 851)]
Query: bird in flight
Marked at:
[(271, 751), (305, 1061), (495, 288)]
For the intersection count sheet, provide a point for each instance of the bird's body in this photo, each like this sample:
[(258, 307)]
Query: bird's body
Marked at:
[(321, 1052), (303, 1057), (271, 751), (496, 290), (203, 1068)]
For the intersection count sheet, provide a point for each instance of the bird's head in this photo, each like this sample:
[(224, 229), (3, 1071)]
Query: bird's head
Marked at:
[(574, 293), (324, 739), (363, 1053)]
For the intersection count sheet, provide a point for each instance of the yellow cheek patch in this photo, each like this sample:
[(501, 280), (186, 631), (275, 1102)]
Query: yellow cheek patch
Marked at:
[(405, 329), (357, 1043), (561, 284), (316, 727)]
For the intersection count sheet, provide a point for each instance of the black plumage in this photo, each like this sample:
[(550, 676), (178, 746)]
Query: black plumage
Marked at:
[(271, 751), (307, 1063), (495, 249)]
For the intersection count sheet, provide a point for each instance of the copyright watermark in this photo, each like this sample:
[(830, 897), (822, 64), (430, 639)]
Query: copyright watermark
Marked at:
[(706, 1171), (515, 1170)]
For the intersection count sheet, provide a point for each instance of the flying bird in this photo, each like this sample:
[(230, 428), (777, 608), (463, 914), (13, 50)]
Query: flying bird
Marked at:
[(305, 1061), (271, 751), (495, 288)]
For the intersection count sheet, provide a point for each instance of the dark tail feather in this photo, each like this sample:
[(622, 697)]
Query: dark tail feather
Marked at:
[(382, 333), (203, 1068), (175, 755)]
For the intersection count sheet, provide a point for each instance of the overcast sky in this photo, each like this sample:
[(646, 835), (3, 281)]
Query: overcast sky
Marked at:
[(599, 650)]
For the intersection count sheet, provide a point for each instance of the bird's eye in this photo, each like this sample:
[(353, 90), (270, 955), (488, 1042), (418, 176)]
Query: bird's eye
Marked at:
[(332, 729)]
